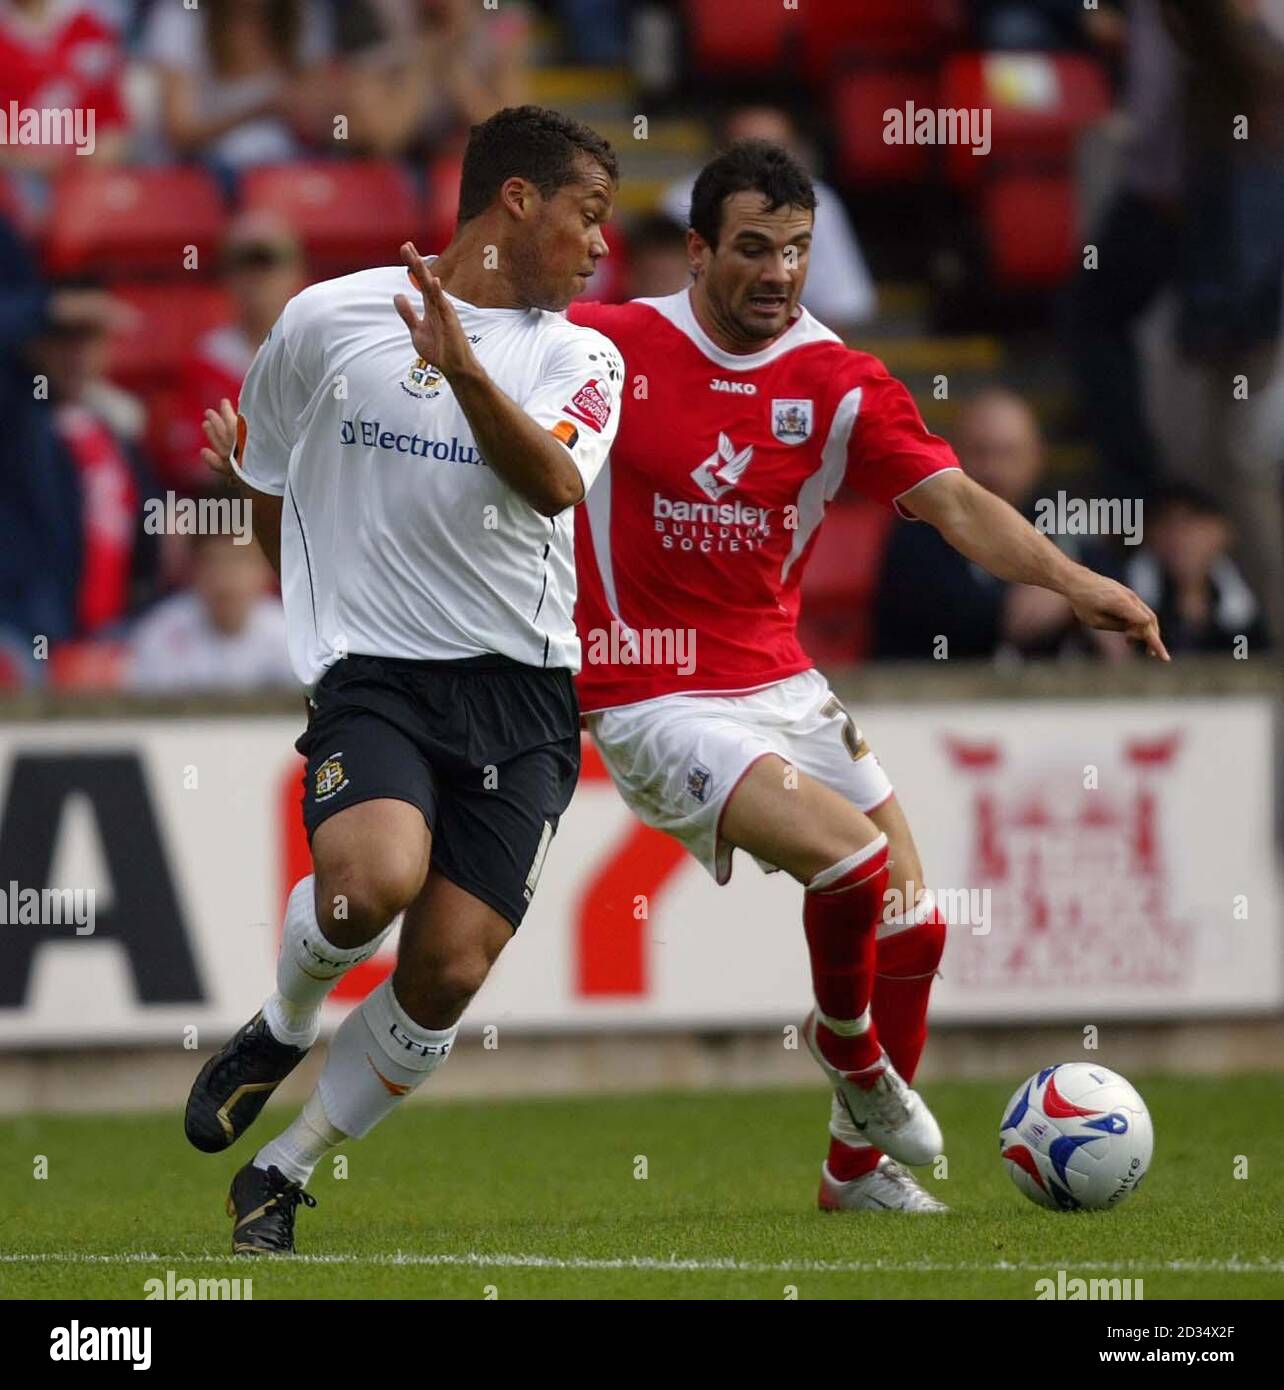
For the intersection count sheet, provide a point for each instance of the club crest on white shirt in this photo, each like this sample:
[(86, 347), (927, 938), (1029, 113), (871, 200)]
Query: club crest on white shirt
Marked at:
[(791, 421), (423, 381)]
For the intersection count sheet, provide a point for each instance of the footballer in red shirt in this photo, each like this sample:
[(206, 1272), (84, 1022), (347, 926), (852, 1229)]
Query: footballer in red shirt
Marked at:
[(61, 55), (742, 416)]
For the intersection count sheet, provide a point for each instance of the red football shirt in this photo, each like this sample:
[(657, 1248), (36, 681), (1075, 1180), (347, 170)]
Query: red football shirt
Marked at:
[(70, 58), (718, 480)]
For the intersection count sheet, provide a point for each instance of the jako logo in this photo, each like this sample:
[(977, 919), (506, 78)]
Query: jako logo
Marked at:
[(734, 388), (76, 1343), (370, 436)]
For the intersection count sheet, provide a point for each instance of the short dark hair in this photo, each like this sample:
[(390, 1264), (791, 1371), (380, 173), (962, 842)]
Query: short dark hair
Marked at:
[(657, 231), (527, 142), (1168, 498), (755, 165)]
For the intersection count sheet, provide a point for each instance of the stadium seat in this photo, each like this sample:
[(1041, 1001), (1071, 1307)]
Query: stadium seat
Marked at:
[(441, 203), (1029, 221), (836, 32), (736, 37), (87, 665), (840, 578), (134, 222), (349, 214), (170, 319), (858, 100), (1039, 104)]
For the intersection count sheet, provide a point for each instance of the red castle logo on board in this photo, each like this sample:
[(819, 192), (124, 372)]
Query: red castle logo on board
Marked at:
[(1080, 887)]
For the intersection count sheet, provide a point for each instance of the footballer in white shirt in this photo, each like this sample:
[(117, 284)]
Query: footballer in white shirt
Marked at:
[(416, 490)]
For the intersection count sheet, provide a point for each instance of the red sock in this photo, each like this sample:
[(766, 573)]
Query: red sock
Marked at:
[(906, 967), (846, 1163), (841, 918)]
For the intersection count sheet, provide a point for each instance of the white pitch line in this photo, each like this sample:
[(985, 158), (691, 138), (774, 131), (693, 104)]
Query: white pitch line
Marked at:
[(674, 1265)]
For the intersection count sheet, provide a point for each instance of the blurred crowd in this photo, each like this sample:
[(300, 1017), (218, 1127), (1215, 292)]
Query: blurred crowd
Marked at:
[(1168, 344)]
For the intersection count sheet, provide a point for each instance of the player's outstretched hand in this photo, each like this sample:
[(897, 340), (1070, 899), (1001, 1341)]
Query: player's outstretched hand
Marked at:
[(1101, 603), (220, 429), (438, 336)]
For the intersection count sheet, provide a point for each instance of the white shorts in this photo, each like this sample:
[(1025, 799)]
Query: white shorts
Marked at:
[(678, 758)]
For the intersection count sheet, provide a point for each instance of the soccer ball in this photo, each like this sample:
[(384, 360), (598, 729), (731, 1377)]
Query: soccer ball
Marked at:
[(1076, 1137)]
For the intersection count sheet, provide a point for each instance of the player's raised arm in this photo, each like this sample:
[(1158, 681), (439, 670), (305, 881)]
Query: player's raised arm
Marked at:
[(220, 428), (524, 453), (997, 537)]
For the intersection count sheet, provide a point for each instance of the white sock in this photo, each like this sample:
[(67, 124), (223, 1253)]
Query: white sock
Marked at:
[(307, 969), (297, 1150), (378, 1056)]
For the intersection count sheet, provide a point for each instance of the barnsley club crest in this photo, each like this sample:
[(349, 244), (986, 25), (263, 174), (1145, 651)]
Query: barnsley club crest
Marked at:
[(791, 421)]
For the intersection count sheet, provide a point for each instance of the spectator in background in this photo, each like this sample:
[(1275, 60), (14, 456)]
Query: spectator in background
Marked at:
[(927, 590), (55, 54), (839, 289), (71, 487), (100, 428), (39, 492), (226, 633), (1185, 573), (261, 266), (595, 31), (1033, 25), (1200, 210), (418, 73), (658, 259), (241, 80)]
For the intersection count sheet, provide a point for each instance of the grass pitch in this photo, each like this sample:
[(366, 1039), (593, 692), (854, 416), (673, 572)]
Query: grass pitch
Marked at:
[(546, 1199)]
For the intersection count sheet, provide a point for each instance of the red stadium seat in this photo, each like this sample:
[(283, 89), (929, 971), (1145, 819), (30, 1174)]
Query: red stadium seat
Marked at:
[(836, 32), (857, 103), (735, 37), (171, 318), (441, 203), (1039, 104), (840, 578), (349, 214), (135, 222), (87, 665), (1029, 223)]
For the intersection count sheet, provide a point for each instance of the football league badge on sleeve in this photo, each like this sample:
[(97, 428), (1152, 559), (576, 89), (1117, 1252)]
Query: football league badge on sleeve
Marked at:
[(791, 421)]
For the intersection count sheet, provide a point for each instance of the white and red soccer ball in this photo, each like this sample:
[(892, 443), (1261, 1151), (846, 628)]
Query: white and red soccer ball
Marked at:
[(1076, 1137)]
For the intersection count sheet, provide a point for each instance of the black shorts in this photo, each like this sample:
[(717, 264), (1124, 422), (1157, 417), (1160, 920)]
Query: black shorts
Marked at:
[(487, 749)]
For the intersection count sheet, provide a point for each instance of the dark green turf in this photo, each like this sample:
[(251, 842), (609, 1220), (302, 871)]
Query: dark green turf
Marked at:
[(731, 1177)]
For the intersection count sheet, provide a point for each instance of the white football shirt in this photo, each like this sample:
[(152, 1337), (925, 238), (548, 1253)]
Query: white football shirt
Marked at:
[(397, 539)]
